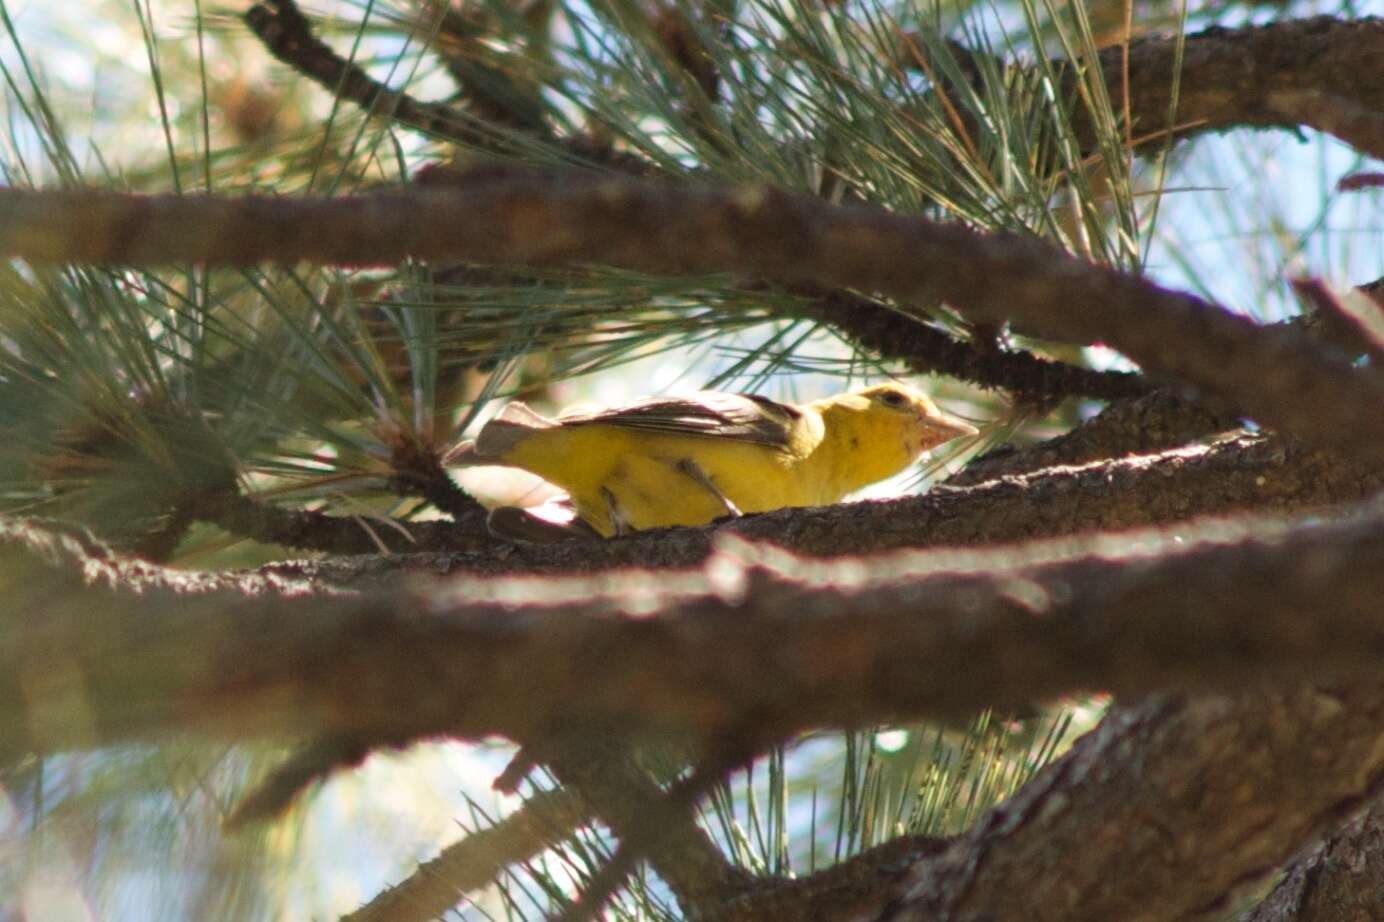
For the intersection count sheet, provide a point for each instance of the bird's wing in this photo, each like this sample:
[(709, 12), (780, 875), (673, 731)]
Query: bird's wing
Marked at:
[(742, 417), (514, 423)]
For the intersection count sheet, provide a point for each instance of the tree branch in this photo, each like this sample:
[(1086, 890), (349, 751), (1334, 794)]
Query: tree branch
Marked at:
[(1152, 423), (904, 337), (306, 529), (794, 643), (1245, 474), (477, 860), (1221, 775), (841, 891), (600, 779), (1339, 324), (1238, 77), (1161, 813), (272, 796), (1286, 74), (1354, 124), (1338, 880), (288, 36), (418, 471), (658, 822), (1275, 375)]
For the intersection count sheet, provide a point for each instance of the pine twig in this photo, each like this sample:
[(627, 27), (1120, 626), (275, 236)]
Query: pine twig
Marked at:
[(287, 782), (893, 334), (1340, 325), (160, 545), (477, 860), (288, 36), (417, 470), (649, 821)]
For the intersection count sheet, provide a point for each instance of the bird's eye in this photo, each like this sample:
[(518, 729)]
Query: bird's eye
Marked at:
[(892, 398)]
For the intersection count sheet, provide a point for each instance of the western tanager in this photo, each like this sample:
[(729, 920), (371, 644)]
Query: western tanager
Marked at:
[(689, 460)]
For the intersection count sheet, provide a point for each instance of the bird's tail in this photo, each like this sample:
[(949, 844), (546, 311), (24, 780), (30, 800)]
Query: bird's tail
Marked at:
[(498, 437), (555, 520)]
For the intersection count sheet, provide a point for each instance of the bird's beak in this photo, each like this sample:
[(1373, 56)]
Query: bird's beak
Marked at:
[(949, 427)]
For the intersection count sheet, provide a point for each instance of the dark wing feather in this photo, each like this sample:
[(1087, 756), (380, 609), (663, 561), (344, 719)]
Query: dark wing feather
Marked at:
[(743, 417)]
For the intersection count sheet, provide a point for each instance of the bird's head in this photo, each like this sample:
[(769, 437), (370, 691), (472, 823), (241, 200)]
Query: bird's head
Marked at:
[(911, 416), (884, 428)]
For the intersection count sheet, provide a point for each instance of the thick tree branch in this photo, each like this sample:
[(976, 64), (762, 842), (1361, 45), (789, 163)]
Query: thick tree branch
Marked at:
[(1339, 880), (1360, 127), (794, 643), (1222, 777), (1286, 74), (1143, 425), (1244, 474), (1253, 76), (1184, 800), (1274, 374), (1160, 813), (1162, 419)]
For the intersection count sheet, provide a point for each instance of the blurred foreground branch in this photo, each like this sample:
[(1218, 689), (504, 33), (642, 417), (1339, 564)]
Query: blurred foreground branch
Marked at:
[(795, 643)]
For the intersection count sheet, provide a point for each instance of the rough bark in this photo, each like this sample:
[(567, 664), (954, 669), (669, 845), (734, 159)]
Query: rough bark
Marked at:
[(1161, 813), (1339, 880)]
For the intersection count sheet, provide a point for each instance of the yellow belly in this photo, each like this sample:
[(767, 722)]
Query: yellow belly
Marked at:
[(639, 473)]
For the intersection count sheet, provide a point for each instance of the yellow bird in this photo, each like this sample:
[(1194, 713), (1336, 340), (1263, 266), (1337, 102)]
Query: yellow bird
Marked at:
[(690, 460)]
